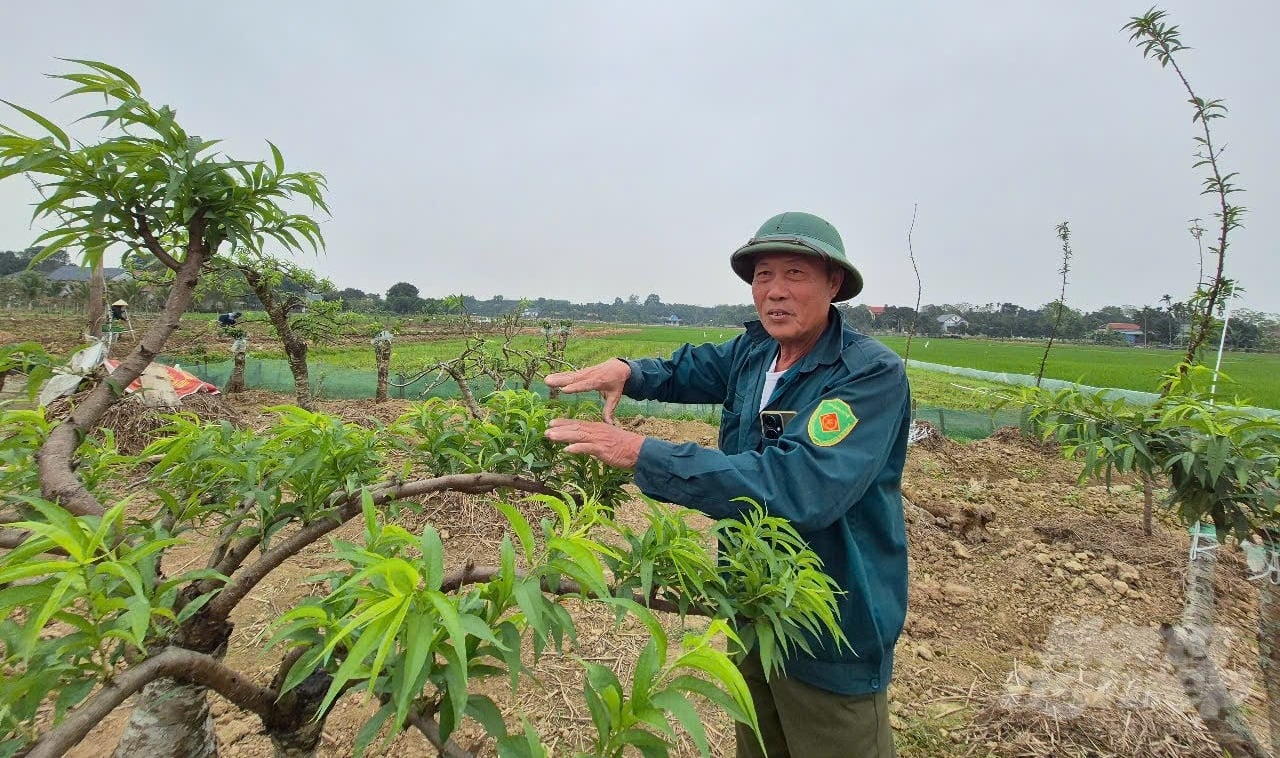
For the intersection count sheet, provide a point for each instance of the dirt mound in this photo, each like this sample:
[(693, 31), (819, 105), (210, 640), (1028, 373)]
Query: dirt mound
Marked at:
[(1012, 435), (673, 430), (927, 436), (366, 412)]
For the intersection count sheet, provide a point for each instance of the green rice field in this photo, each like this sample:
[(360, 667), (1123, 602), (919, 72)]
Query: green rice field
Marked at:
[(1252, 374)]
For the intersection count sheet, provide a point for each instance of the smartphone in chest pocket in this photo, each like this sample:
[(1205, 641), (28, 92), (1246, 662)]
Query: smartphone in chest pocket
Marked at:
[(772, 423)]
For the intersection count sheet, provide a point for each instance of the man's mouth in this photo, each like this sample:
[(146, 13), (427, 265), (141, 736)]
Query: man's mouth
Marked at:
[(778, 314)]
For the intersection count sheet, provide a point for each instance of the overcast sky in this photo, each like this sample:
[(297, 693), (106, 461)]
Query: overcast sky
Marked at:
[(592, 150)]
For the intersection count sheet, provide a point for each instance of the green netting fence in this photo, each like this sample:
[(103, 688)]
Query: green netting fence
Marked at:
[(969, 424), (330, 382), (337, 383)]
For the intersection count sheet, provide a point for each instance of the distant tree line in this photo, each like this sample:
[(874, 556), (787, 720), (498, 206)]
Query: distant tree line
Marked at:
[(1165, 323), (1162, 324), (404, 299), (17, 261)]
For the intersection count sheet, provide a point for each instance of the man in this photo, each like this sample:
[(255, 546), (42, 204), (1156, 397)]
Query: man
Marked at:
[(814, 426), (228, 320)]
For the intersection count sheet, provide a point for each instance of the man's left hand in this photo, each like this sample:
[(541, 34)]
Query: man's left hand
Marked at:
[(616, 447)]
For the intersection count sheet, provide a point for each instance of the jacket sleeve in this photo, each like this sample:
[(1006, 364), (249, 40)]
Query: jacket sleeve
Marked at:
[(693, 374), (809, 484)]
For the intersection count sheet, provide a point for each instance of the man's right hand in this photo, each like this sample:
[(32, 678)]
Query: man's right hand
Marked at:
[(607, 378)]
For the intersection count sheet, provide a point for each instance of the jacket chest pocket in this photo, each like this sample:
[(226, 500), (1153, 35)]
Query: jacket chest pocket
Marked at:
[(731, 423)]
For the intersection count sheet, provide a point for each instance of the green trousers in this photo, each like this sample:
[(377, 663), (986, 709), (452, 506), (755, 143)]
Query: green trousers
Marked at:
[(801, 721)]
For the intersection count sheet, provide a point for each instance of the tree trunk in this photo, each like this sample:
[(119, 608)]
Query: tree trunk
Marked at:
[(1269, 655), (281, 749), (298, 725), (468, 397), (1146, 505), (296, 350), (236, 382), (97, 299), (1187, 646), (382, 354), (170, 720)]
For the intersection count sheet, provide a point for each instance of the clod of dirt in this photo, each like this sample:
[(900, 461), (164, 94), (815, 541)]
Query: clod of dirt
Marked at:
[(926, 435), (1053, 533)]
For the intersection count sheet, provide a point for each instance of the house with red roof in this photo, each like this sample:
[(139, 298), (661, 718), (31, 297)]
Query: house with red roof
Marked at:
[(1131, 332)]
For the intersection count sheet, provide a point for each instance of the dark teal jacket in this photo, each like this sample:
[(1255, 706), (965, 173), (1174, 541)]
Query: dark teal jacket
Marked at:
[(844, 498)]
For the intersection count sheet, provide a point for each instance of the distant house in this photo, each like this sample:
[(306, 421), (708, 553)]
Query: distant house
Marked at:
[(951, 321), (72, 273), (673, 320), (1131, 332), (877, 310)]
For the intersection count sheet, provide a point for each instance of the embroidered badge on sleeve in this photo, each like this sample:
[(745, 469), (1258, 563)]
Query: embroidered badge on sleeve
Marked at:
[(831, 422)]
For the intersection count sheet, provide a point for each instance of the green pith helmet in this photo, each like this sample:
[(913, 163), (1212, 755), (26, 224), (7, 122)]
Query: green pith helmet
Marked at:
[(795, 232)]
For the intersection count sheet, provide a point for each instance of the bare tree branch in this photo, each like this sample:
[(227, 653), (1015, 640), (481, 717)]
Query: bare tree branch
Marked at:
[(239, 586), (153, 245), (427, 725), (175, 663), (14, 538), (471, 574), (911, 253), (58, 479)]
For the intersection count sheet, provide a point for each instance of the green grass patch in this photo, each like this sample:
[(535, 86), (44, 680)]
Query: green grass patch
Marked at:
[(585, 348), (933, 388), (923, 737)]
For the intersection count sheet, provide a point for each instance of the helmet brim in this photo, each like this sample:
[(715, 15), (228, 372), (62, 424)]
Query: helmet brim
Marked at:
[(743, 261)]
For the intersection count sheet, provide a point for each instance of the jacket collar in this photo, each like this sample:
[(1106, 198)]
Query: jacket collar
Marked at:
[(825, 352)]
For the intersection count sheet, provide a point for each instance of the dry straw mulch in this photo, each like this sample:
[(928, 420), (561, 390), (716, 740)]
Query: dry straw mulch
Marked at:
[(1098, 689), (135, 425)]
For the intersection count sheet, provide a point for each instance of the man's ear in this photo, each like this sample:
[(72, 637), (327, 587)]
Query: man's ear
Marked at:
[(837, 279)]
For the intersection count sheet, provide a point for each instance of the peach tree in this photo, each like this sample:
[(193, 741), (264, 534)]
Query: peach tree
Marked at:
[(1221, 462), (95, 608)]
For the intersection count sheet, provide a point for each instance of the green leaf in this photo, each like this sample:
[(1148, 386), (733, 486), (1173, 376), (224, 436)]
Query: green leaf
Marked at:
[(690, 720), (432, 556), (119, 73), (456, 671), (520, 525), (48, 125), (486, 713), (72, 693), (528, 594), (642, 681), (276, 157), (455, 694)]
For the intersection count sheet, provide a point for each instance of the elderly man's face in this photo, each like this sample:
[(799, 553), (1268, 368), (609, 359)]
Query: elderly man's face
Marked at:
[(792, 294)]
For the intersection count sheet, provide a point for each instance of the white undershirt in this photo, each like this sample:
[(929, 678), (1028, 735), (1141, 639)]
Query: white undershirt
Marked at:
[(771, 378)]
